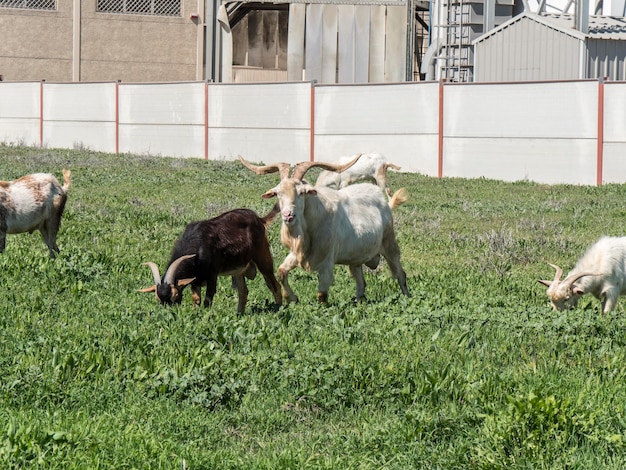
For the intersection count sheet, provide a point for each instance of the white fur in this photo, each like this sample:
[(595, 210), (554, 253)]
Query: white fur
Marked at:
[(323, 227), (605, 262), (371, 167), (33, 202)]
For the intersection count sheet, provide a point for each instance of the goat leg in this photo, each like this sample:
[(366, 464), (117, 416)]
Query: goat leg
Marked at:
[(196, 294), (291, 261), (239, 282), (211, 289), (609, 300), (325, 280), (357, 274)]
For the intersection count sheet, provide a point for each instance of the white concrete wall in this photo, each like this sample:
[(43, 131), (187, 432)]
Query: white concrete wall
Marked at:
[(20, 113), (614, 154), (80, 115), (399, 121), (262, 122), (544, 131), (162, 119)]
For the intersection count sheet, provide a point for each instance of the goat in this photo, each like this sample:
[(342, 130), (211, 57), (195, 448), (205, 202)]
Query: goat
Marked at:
[(33, 202), (232, 244), (601, 271), (322, 227), (371, 167)]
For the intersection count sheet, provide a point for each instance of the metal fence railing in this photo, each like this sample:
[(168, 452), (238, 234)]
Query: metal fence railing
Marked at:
[(140, 7), (29, 4)]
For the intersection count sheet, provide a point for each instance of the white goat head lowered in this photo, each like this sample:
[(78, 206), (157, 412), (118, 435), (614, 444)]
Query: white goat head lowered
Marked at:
[(33, 202), (323, 227), (601, 272)]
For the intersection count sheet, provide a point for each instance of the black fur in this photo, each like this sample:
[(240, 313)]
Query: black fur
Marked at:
[(233, 242)]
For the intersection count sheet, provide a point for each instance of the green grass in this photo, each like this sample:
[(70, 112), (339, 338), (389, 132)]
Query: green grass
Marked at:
[(474, 370)]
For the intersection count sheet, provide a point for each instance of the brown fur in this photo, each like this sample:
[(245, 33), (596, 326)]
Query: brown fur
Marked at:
[(33, 202)]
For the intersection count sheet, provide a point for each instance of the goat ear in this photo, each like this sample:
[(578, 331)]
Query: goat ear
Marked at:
[(184, 282), (577, 291), (269, 194), (147, 289), (545, 283)]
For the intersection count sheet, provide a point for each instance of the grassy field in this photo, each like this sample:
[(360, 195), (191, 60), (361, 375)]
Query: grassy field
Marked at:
[(474, 370)]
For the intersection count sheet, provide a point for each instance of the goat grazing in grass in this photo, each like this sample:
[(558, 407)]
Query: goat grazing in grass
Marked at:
[(33, 202), (601, 272), (233, 244)]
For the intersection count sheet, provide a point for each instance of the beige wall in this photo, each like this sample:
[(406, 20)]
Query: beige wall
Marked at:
[(36, 45)]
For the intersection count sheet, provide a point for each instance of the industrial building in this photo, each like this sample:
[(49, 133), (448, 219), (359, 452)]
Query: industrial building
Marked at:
[(327, 41), (534, 47)]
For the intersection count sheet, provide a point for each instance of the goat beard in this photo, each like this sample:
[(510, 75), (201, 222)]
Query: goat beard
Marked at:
[(294, 239)]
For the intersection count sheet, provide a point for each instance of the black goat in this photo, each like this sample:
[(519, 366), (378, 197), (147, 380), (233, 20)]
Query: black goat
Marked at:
[(232, 244)]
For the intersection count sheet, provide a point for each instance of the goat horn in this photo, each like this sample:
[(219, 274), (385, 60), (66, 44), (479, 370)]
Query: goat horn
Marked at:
[(571, 279), (302, 167), (282, 168), (171, 271), (559, 272), (155, 272)]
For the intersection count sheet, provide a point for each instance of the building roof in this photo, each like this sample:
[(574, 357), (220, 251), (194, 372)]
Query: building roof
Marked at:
[(600, 27)]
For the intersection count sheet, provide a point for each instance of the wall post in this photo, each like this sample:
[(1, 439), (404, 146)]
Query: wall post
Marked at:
[(440, 132), (117, 117), (41, 113), (600, 138), (206, 120), (312, 125)]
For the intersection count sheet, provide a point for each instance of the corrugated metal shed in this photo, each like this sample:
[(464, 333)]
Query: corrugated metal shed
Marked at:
[(548, 47)]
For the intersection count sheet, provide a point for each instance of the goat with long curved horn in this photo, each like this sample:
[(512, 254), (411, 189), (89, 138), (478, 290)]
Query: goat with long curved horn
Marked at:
[(322, 227), (600, 272)]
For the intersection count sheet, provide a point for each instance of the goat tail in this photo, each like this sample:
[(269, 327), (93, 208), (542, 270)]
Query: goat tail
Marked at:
[(398, 198), (393, 167), (66, 179), (269, 218)]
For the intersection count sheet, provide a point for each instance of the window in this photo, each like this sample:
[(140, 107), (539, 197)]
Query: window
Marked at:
[(140, 7), (29, 4)]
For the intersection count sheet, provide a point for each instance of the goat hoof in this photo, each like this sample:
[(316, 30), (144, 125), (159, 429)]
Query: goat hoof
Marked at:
[(322, 297)]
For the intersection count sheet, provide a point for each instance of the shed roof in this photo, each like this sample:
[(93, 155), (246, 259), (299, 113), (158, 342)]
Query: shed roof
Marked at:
[(600, 27)]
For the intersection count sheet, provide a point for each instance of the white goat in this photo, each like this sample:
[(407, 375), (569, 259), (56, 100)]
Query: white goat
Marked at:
[(323, 227), (371, 168), (601, 272), (33, 202)]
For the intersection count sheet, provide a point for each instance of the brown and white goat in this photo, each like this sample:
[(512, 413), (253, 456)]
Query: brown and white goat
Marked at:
[(232, 244), (370, 168), (601, 272), (33, 202), (323, 227)]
